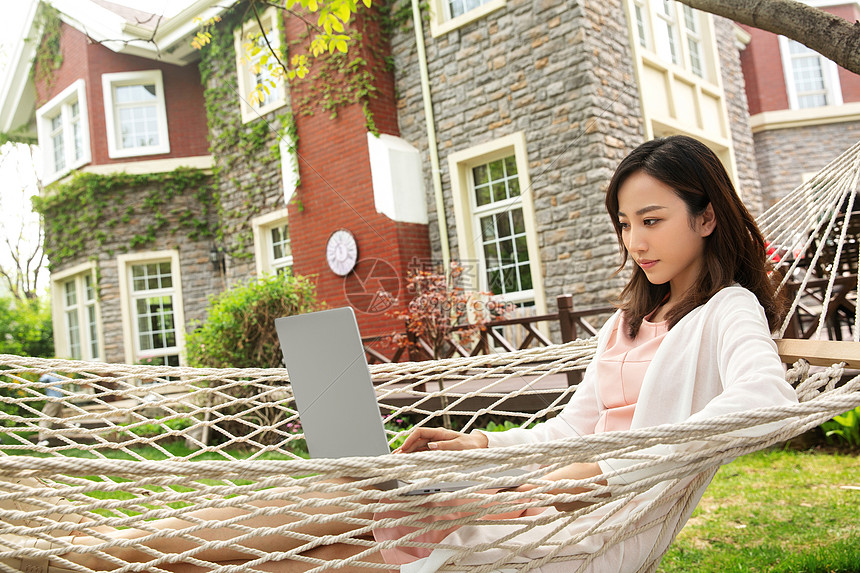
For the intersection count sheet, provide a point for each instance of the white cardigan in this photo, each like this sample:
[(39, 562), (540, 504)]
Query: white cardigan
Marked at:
[(718, 359)]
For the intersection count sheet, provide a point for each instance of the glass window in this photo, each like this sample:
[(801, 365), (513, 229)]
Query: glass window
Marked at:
[(253, 69), (63, 133), (80, 318), (281, 253), (808, 76), (135, 114), (694, 41), (675, 30), (504, 244), (459, 7), (155, 329)]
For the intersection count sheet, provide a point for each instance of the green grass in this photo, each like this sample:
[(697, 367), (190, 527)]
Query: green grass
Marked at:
[(777, 511)]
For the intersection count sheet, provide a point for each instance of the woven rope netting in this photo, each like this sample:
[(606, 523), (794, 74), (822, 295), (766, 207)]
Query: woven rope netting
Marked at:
[(163, 465)]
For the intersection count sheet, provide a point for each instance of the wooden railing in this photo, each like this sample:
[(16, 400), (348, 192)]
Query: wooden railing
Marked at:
[(531, 332)]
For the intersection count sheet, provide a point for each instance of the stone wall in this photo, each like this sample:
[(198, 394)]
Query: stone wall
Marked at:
[(248, 166), (749, 187), (561, 73), (134, 216), (784, 156)]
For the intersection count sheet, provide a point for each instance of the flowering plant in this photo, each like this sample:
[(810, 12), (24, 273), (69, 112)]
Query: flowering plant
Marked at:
[(442, 313)]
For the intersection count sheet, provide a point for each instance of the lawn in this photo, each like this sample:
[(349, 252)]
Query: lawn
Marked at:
[(780, 511)]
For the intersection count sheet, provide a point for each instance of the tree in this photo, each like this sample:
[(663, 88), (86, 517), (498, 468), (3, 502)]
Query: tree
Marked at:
[(831, 36), (328, 34), (22, 230)]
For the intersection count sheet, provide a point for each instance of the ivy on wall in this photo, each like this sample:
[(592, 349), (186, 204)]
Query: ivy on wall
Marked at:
[(89, 207), (49, 56)]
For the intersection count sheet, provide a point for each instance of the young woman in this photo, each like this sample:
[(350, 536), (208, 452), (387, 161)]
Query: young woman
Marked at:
[(691, 340)]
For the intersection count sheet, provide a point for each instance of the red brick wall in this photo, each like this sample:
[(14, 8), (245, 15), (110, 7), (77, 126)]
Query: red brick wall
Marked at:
[(763, 72), (336, 192), (849, 81), (183, 94)]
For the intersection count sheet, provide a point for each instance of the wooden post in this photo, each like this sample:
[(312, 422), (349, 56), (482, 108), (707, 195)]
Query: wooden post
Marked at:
[(565, 317), (568, 330)]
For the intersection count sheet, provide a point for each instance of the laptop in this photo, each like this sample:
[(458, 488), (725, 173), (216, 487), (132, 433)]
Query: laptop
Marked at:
[(334, 392)]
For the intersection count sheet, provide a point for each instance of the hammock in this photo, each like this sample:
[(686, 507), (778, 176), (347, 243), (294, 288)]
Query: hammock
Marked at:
[(127, 465)]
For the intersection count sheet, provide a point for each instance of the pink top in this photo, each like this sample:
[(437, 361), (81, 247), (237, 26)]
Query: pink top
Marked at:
[(621, 370)]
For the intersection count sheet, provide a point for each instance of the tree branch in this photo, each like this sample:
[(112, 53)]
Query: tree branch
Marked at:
[(831, 36)]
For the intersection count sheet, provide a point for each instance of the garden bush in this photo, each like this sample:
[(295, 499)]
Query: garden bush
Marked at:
[(239, 331)]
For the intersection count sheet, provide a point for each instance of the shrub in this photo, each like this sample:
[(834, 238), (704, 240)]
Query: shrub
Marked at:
[(26, 328), (239, 331)]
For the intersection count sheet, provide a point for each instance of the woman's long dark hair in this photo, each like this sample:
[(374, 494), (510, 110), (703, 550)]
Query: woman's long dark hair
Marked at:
[(734, 252)]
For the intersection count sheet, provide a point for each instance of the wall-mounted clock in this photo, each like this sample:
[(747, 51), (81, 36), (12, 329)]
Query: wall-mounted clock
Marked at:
[(341, 252)]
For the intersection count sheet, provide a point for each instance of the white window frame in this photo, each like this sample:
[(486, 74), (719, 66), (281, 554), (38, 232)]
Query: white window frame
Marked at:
[(246, 78), (61, 105), (62, 345), (441, 21), (131, 342), (680, 37), (829, 71), (109, 81), (263, 252), (467, 219)]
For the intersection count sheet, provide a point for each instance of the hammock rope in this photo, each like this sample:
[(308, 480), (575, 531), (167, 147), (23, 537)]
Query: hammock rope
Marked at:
[(243, 461)]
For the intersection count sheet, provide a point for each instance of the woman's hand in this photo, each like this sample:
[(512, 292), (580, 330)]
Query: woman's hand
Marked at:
[(425, 439)]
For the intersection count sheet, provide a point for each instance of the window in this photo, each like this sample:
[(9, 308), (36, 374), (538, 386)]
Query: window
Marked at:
[(447, 15), (63, 132), (811, 79), (694, 41), (76, 321), (153, 318), (135, 114), (249, 69), (495, 220), (499, 215), (673, 32), (272, 243)]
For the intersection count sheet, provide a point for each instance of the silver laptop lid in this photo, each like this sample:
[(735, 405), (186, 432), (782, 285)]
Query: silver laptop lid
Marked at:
[(331, 382)]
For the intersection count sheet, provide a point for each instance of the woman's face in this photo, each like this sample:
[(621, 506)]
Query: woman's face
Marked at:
[(657, 232)]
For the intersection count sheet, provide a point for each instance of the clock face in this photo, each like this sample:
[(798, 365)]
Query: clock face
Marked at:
[(341, 252)]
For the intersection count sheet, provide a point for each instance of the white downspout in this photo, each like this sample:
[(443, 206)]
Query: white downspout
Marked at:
[(431, 137)]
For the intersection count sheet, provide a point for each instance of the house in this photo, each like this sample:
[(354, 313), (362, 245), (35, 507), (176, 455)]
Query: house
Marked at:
[(486, 136), (805, 110)]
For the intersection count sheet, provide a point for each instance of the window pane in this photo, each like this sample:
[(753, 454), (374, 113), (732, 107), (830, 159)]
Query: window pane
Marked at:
[(491, 255), (481, 175), (135, 93), (695, 57), (482, 195), (88, 288), (510, 166), (73, 332), (58, 144), (93, 331), (488, 228), (71, 293), (518, 220), (526, 277), (497, 171), (280, 243), (640, 27), (503, 224)]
